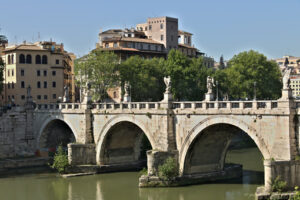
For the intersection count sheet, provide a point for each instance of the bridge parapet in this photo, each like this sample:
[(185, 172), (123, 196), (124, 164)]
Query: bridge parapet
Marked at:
[(59, 106)]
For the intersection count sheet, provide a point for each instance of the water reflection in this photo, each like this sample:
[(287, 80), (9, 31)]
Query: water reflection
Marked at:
[(124, 186)]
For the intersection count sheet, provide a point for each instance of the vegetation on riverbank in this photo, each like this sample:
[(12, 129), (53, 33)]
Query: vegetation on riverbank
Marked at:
[(60, 161)]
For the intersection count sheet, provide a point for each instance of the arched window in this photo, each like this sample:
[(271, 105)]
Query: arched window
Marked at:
[(28, 59), (8, 59), (44, 59), (21, 59), (12, 59), (38, 59)]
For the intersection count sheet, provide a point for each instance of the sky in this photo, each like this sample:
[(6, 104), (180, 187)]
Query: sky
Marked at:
[(219, 27)]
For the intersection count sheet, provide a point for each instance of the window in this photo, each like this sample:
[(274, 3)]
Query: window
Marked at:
[(13, 97), (45, 84), (115, 94), (57, 61), (38, 84), (53, 96), (38, 96), (21, 59), (8, 72), (45, 97), (12, 59), (22, 84), (149, 47), (44, 59), (45, 72), (38, 73), (12, 85), (54, 84), (106, 45), (161, 26), (12, 72), (146, 28), (38, 59), (23, 97), (22, 72), (115, 44), (28, 59), (150, 27), (133, 45), (161, 37), (8, 85), (53, 73)]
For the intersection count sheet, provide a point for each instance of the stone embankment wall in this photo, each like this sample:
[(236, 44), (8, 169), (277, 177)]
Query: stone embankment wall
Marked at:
[(16, 139)]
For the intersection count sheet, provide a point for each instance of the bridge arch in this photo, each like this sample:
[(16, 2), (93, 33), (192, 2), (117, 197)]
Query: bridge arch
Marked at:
[(52, 123), (115, 122), (214, 121)]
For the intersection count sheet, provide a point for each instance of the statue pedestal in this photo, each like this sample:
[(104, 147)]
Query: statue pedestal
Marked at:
[(286, 94), (209, 97), (127, 98), (167, 101), (65, 99)]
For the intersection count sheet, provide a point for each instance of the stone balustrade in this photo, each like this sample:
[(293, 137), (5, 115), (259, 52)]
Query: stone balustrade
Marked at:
[(268, 104)]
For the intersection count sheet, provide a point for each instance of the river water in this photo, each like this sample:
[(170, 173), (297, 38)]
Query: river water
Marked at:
[(124, 186)]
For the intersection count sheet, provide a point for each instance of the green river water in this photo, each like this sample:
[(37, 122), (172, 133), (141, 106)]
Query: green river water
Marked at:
[(124, 185)]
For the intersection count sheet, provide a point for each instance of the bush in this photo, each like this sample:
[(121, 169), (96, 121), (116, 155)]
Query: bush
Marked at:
[(169, 169), (60, 162), (278, 185), (297, 194), (144, 171)]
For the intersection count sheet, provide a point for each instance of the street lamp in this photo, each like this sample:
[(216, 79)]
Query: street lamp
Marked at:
[(254, 84), (217, 84)]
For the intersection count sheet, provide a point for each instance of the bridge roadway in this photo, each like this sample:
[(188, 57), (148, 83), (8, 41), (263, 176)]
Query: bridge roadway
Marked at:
[(196, 134)]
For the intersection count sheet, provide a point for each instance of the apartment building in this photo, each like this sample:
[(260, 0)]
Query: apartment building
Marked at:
[(154, 38), (289, 61), (44, 66), (295, 85)]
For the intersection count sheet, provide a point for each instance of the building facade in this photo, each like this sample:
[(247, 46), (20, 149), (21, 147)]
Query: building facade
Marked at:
[(43, 66), (289, 61), (155, 38)]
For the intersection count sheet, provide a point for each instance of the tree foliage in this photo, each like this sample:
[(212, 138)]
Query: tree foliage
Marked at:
[(100, 69), (145, 77), (246, 68), (188, 76)]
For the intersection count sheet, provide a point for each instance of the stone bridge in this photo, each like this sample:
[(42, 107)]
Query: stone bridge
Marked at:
[(196, 134)]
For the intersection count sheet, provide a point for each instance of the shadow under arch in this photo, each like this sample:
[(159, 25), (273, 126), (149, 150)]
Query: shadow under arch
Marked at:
[(55, 131), (121, 141), (214, 121)]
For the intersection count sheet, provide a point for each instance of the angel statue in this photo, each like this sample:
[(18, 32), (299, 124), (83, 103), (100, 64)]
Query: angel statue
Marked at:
[(168, 82), (126, 88), (210, 84), (286, 79)]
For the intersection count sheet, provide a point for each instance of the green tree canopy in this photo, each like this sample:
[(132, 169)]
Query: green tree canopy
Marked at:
[(247, 68), (145, 77), (99, 68)]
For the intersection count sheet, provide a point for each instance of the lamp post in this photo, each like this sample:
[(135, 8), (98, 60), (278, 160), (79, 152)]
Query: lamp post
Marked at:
[(217, 84), (254, 84)]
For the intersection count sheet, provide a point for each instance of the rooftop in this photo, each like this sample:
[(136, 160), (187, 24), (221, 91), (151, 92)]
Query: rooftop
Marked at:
[(129, 39)]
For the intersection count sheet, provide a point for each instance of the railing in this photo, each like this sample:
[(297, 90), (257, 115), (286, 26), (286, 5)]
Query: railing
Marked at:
[(226, 105), (174, 105)]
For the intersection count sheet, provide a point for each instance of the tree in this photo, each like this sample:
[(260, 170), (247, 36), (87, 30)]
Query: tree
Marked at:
[(1, 74), (246, 68), (188, 76), (100, 69), (145, 77)]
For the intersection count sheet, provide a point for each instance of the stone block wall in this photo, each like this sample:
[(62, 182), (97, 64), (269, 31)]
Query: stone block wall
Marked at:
[(81, 154), (13, 135)]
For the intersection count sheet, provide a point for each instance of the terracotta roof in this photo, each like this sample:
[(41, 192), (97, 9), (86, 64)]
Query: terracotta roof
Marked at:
[(142, 40), (184, 32), (26, 47), (185, 46)]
